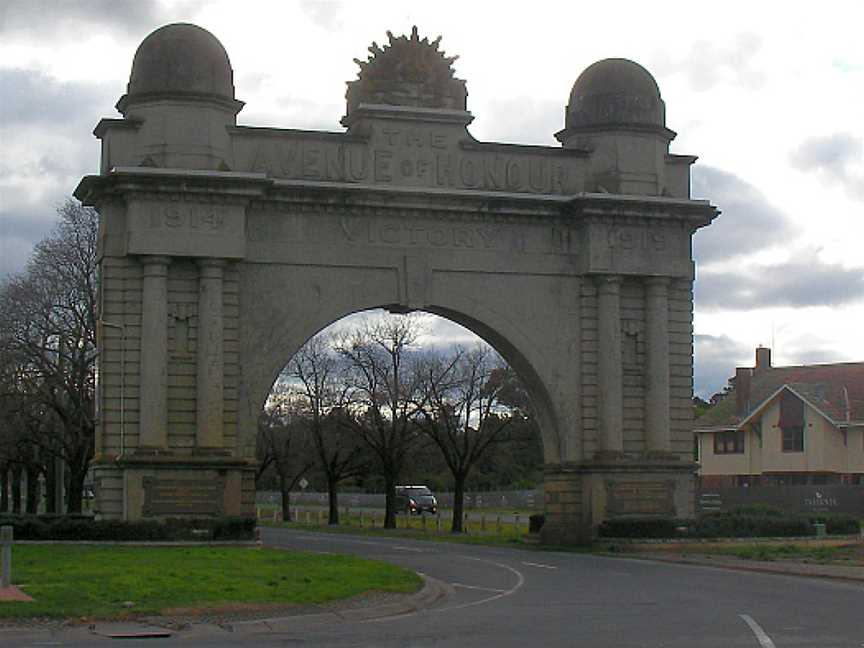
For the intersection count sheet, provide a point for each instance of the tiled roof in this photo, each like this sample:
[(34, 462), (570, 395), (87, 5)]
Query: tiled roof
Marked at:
[(825, 387)]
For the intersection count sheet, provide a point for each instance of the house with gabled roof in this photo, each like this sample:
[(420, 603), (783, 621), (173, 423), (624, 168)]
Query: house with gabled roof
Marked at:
[(785, 426)]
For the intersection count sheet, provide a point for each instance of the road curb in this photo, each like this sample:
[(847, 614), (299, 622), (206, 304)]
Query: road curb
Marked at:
[(432, 591), (761, 567)]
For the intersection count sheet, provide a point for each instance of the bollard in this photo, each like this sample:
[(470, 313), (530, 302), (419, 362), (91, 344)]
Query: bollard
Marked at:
[(438, 522), (6, 543), (498, 525), (465, 523), (516, 525), (361, 518)]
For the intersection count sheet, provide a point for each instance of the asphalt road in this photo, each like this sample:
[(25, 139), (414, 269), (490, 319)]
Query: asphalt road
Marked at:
[(507, 597)]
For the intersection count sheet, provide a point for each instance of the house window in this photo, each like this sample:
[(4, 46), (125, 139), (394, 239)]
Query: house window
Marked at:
[(731, 442), (793, 439), (792, 422)]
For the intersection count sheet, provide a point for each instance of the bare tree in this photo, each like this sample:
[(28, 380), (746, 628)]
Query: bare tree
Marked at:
[(463, 413), (48, 318), (385, 394), (320, 379), (283, 441)]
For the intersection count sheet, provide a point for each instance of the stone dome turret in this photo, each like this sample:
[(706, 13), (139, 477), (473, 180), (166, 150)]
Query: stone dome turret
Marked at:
[(615, 92), (181, 60)]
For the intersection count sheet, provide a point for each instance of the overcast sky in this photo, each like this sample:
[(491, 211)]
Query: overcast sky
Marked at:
[(770, 96)]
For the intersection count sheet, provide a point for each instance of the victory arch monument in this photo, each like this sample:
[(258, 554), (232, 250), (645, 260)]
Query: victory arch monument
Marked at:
[(224, 248)]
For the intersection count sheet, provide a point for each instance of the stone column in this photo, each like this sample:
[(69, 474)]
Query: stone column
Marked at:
[(610, 379), (153, 391), (210, 381), (657, 439)]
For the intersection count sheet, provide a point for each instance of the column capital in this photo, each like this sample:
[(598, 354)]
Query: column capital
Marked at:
[(210, 268), (155, 266), (608, 284), (657, 282), (210, 262)]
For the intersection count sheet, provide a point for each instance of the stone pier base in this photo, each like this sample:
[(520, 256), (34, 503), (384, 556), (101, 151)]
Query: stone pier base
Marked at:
[(164, 487), (579, 497)]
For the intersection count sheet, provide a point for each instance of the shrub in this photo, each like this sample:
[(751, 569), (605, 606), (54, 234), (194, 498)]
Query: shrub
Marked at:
[(24, 528), (838, 523), (737, 525), (234, 528), (82, 528), (535, 522), (640, 528)]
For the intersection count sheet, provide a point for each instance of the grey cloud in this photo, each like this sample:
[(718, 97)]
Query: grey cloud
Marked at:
[(709, 63), (20, 229), (521, 120), (324, 13), (749, 223), (714, 360), (834, 157), (33, 97), (803, 281), (66, 18), (819, 355)]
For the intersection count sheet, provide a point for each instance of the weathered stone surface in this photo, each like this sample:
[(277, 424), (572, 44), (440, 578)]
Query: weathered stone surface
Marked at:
[(225, 248)]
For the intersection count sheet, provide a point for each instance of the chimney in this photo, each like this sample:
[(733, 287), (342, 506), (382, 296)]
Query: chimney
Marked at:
[(763, 358), (743, 376)]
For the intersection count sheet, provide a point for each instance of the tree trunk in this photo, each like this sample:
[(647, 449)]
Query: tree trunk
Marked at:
[(16, 490), (285, 490), (51, 487), (458, 504), (32, 495), (389, 501), (4, 488), (76, 490), (333, 497)]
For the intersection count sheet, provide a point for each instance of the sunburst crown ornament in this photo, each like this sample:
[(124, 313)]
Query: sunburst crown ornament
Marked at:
[(408, 71)]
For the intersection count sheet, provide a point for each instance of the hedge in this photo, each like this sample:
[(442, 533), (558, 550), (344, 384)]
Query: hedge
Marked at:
[(86, 528), (740, 523)]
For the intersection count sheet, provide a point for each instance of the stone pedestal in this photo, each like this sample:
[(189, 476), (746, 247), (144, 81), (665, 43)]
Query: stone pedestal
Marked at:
[(579, 497)]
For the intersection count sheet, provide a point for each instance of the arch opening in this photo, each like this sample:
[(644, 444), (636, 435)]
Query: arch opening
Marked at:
[(507, 432)]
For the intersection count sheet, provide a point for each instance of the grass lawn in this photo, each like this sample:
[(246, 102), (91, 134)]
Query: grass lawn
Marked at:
[(95, 581), (414, 532), (834, 554), (490, 526)]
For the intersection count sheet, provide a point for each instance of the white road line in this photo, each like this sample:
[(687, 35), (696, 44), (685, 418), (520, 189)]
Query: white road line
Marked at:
[(475, 587), (404, 548), (764, 639), (541, 565), (520, 581)]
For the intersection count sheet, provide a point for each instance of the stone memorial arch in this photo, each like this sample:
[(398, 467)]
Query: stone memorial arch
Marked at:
[(225, 247)]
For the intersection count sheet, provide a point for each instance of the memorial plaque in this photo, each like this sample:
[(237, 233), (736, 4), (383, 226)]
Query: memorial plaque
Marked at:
[(639, 498), (183, 496)]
